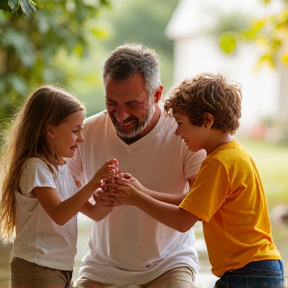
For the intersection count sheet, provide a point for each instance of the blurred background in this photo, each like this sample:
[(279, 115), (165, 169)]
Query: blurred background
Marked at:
[(67, 42)]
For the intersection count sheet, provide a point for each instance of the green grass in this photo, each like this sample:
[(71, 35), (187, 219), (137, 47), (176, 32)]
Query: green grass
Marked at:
[(272, 162)]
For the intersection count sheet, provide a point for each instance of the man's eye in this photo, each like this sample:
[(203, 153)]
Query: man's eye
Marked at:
[(135, 105)]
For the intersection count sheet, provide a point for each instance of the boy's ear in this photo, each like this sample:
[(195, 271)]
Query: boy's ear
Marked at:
[(208, 120), (50, 131)]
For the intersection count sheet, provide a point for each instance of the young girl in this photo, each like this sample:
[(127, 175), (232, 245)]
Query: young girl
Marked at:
[(227, 195), (39, 195)]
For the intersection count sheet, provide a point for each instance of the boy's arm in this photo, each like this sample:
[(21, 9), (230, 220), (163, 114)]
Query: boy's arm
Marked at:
[(168, 214), (174, 199), (121, 191)]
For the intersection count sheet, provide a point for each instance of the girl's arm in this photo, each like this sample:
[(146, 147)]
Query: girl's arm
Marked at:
[(62, 211), (96, 212)]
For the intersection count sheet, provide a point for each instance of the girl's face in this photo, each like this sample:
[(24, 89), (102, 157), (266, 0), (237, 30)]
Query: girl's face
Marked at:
[(194, 136), (66, 136)]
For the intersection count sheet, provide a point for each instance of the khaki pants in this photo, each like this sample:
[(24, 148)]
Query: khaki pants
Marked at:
[(26, 274), (181, 277)]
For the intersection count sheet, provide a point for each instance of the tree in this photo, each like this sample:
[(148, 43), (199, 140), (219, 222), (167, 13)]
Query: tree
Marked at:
[(29, 45), (26, 6)]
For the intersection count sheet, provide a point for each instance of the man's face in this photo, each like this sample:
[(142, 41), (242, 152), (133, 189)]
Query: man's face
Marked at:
[(129, 105)]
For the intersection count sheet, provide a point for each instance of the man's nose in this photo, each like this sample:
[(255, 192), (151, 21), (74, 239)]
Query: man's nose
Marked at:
[(120, 114)]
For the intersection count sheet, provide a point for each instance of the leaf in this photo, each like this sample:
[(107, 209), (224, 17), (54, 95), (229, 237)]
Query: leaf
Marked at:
[(25, 7), (227, 42), (267, 59), (284, 58), (32, 5), (13, 4), (99, 33)]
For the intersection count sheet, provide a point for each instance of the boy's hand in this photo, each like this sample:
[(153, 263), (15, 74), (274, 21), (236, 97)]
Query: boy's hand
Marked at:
[(134, 182)]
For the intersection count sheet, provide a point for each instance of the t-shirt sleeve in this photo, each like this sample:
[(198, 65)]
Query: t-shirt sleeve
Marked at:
[(193, 163), (209, 190), (36, 174)]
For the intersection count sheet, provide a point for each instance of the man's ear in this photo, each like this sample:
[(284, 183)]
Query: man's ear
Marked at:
[(50, 131), (208, 120), (158, 94)]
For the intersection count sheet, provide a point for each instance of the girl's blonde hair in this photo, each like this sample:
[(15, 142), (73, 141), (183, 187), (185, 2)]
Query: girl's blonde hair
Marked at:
[(28, 138)]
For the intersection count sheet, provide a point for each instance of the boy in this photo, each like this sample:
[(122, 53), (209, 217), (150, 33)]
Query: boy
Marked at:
[(227, 195)]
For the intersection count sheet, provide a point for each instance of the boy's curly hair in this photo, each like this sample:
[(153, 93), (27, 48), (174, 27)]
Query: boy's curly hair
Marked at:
[(209, 93)]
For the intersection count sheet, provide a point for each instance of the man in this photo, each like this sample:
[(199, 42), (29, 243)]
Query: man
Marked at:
[(129, 248)]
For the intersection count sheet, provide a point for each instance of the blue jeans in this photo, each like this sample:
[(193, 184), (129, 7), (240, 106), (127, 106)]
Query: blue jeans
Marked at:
[(260, 274)]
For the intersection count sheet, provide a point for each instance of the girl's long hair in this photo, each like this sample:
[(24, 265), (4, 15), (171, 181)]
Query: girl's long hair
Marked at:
[(27, 138)]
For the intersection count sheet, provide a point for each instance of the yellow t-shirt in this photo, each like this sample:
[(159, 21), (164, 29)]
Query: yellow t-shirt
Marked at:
[(228, 196)]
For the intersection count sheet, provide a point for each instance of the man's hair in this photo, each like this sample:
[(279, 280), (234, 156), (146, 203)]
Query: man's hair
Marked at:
[(209, 93), (128, 59)]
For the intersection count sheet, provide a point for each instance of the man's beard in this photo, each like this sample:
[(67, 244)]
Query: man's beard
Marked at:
[(141, 125)]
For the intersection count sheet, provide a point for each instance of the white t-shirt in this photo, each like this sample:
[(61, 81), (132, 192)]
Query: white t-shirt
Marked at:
[(38, 238), (128, 246)]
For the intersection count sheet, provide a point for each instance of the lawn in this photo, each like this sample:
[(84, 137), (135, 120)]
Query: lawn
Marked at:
[(272, 162)]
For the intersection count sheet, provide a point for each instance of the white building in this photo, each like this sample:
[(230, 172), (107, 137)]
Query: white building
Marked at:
[(265, 91)]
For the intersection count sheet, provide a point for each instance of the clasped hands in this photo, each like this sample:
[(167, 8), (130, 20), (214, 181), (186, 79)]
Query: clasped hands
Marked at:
[(117, 190)]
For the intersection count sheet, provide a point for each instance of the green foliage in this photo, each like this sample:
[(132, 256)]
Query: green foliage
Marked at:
[(59, 44), (268, 32), (30, 45), (21, 6), (228, 42), (229, 29)]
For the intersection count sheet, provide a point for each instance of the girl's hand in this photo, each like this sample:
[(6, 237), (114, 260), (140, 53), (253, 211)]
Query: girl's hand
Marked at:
[(108, 170), (116, 190), (109, 197)]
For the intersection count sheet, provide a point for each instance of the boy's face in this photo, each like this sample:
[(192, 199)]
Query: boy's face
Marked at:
[(194, 136)]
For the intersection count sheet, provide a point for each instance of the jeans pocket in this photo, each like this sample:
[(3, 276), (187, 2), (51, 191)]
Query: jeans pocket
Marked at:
[(15, 269)]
